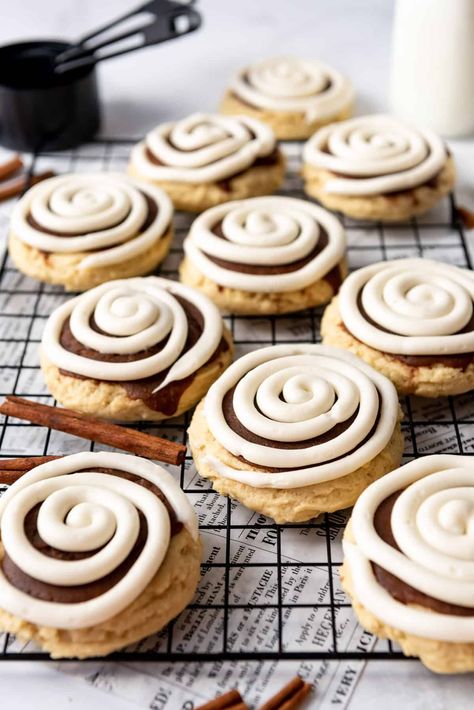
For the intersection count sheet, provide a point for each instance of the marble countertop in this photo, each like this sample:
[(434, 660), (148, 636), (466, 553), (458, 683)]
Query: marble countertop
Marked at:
[(161, 83)]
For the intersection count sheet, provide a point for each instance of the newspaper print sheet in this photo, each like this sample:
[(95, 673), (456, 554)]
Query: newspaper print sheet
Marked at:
[(282, 584)]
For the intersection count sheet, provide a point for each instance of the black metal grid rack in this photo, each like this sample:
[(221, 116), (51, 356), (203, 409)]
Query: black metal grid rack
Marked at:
[(263, 585)]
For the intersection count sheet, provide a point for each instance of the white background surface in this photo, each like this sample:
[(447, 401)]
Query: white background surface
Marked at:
[(190, 74)]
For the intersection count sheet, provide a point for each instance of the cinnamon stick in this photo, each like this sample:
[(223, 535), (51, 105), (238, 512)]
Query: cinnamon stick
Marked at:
[(10, 166), (26, 463), (296, 700), (289, 697), (12, 469), (17, 185), (120, 437), (467, 217), (9, 477), (229, 701)]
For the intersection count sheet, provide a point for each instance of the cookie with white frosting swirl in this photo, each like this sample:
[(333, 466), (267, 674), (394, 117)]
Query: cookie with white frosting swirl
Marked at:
[(143, 348), (265, 255), (293, 96), (377, 168), (409, 560), (206, 159), (83, 229), (295, 430), (413, 320), (98, 550)]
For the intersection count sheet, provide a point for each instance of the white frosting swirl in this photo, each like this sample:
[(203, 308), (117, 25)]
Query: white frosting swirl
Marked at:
[(92, 512), (374, 155), (101, 213), (203, 147), (433, 524), (134, 315), (293, 393), (425, 305), (266, 231), (294, 85)]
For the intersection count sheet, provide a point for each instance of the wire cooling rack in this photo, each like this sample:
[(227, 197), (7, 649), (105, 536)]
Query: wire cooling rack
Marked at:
[(267, 591)]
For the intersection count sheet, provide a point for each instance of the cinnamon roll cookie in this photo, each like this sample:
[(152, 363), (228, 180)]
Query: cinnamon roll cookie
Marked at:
[(265, 255), (408, 560), (81, 230), (97, 551), (293, 96), (206, 159), (377, 168), (295, 430), (134, 349), (411, 319)]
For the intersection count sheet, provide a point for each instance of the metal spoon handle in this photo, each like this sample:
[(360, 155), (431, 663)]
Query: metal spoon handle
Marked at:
[(162, 20)]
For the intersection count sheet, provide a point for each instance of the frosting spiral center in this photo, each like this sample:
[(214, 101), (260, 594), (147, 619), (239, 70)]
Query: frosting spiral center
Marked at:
[(432, 521), (295, 396), (67, 522), (82, 510), (129, 317), (106, 217), (266, 231), (122, 313), (375, 154), (203, 148), (290, 84), (307, 411), (410, 306), (287, 79), (413, 304), (443, 526), (457, 516), (325, 410)]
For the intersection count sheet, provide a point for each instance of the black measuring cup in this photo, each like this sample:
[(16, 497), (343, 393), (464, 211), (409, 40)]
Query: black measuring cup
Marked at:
[(48, 89)]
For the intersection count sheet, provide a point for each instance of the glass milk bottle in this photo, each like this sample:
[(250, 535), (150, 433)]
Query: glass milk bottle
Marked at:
[(432, 77)]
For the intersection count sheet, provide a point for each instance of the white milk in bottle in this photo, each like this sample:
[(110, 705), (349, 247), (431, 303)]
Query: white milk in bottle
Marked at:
[(432, 77)]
